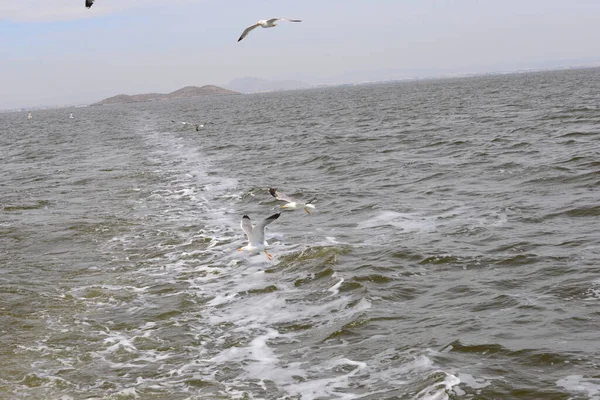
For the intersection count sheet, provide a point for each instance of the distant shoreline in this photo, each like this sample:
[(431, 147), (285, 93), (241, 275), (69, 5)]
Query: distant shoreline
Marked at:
[(318, 86), (183, 93)]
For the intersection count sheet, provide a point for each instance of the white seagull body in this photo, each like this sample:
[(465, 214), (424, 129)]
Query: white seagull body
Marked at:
[(265, 23), (291, 203), (29, 116), (256, 234), (88, 3), (71, 116), (198, 126)]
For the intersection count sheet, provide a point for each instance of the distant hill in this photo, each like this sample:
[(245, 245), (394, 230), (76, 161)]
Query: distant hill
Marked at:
[(183, 93), (257, 85)]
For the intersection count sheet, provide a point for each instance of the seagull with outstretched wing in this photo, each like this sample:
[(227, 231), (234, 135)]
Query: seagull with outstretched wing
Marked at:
[(256, 234), (88, 3), (290, 202), (265, 23)]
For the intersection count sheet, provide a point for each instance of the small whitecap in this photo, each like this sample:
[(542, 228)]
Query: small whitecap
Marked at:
[(582, 385), (335, 289)]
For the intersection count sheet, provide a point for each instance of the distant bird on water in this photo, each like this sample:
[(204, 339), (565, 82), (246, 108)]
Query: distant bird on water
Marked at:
[(29, 116), (265, 23), (88, 3), (197, 126)]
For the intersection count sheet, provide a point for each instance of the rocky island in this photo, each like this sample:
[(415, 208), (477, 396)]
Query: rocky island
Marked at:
[(183, 93)]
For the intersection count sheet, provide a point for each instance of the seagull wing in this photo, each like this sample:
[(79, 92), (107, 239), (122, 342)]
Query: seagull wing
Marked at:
[(280, 196), (247, 31), (88, 3), (259, 230), (246, 225), (288, 20)]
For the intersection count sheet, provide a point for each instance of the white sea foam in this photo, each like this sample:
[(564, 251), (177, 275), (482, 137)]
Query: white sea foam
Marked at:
[(119, 341), (577, 384), (593, 293), (335, 289), (439, 390), (473, 382), (270, 334)]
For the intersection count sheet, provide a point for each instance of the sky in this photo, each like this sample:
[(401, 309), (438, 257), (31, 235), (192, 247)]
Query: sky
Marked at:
[(57, 52)]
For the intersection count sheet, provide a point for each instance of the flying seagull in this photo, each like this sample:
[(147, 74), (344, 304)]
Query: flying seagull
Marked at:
[(88, 3), (256, 234), (268, 23), (291, 203), (197, 126)]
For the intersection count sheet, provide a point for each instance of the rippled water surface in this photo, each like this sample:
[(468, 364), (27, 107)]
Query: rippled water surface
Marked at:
[(454, 251)]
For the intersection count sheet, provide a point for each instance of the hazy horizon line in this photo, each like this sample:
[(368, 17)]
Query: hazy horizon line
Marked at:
[(441, 75)]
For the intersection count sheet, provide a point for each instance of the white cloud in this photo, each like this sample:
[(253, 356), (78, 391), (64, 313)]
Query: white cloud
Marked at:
[(68, 10)]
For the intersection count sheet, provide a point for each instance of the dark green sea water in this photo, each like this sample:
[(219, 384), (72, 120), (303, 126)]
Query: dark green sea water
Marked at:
[(454, 252)]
